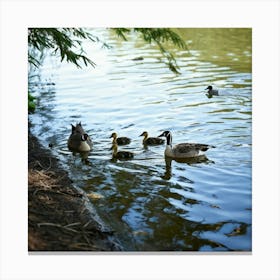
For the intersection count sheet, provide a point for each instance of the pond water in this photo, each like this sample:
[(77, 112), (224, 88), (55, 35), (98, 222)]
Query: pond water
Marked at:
[(152, 204)]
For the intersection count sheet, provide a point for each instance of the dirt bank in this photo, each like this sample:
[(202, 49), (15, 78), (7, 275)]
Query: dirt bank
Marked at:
[(58, 216)]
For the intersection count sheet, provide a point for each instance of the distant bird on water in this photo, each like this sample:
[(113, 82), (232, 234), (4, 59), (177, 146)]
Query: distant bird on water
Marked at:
[(211, 92)]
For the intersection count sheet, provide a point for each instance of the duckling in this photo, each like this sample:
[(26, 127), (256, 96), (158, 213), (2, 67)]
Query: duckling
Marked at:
[(183, 150), (119, 140), (211, 92), (79, 140), (151, 140), (121, 154)]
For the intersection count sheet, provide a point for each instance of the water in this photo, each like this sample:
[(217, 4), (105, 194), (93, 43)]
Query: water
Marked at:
[(151, 204)]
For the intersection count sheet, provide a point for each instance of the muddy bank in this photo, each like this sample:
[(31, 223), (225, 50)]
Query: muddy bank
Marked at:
[(59, 217)]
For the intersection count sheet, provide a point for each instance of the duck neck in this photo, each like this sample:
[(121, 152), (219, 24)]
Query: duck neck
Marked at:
[(145, 137), (115, 149), (169, 140)]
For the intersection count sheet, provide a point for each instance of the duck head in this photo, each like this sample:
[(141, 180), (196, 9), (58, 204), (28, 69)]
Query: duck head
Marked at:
[(114, 135), (209, 87), (165, 133), (145, 133), (168, 136)]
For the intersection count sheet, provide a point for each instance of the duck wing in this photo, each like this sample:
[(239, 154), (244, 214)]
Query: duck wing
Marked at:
[(154, 141), (123, 140), (190, 149), (186, 147)]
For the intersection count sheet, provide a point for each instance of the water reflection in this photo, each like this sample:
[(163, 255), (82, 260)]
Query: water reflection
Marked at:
[(189, 161), (83, 156), (227, 47)]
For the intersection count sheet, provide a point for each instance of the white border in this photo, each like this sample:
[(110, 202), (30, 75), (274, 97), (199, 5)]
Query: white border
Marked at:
[(262, 16)]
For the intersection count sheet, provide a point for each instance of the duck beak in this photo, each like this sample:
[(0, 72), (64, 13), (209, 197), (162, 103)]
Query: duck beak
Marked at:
[(206, 88), (161, 134), (141, 134)]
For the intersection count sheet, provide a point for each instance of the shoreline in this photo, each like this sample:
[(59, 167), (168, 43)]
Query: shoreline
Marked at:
[(59, 216)]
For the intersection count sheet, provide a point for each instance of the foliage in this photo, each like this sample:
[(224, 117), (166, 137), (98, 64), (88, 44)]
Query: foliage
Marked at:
[(31, 103), (67, 42), (159, 36), (59, 40)]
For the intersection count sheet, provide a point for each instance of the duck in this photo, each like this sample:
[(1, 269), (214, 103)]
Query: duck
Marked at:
[(151, 140), (121, 154), (211, 92), (183, 150), (79, 140), (119, 140)]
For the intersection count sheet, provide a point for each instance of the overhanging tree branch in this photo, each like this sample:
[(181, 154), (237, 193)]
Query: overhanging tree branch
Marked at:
[(67, 42)]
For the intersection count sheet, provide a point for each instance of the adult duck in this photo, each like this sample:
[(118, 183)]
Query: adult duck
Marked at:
[(183, 150), (79, 140)]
